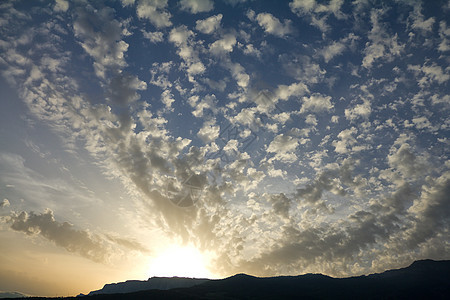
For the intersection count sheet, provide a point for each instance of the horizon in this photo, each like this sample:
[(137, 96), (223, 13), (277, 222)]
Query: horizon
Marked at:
[(200, 138), (106, 289)]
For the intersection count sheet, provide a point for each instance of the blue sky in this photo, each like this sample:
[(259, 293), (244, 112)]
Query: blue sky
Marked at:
[(274, 137)]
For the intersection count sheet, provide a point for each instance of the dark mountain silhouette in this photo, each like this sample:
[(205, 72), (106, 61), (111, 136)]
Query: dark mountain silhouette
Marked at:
[(426, 279), (157, 283)]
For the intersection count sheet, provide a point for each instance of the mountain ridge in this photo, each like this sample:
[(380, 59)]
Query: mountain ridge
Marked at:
[(425, 279)]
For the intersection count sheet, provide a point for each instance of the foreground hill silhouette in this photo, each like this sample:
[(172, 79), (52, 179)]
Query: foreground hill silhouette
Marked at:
[(425, 279)]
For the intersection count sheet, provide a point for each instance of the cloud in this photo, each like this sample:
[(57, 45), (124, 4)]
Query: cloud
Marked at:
[(284, 92), (432, 73), (332, 50), (302, 68), (62, 234), (272, 25), (403, 159), (209, 132), (61, 6), (223, 46), (154, 37), (381, 45), (154, 11), (318, 13), (4, 203), (123, 87), (209, 25), (316, 103), (346, 140), (197, 6), (238, 72), (127, 2), (280, 204), (430, 211), (418, 21), (183, 38), (284, 147), (251, 50), (167, 99), (100, 36), (444, 33), (359, 110)]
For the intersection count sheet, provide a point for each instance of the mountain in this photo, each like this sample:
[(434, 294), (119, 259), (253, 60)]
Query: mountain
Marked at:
[(426, 279), (158, 283)]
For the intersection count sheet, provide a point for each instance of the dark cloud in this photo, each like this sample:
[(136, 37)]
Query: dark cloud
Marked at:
[(123, 87), (62, 234)]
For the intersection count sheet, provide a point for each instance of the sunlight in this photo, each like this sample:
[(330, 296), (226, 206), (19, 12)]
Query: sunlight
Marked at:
[(180, 261)]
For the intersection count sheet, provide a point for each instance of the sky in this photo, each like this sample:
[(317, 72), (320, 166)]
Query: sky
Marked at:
[(205, 138)]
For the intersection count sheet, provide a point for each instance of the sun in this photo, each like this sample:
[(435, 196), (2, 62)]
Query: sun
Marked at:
[(180, 261)]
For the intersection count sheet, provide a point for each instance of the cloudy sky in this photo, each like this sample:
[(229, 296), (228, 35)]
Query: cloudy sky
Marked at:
[(262, 137)]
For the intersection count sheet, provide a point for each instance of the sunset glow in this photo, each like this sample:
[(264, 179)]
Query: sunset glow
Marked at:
[(181, 262)]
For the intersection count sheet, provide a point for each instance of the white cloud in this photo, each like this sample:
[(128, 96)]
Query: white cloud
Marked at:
[(432, 73), (209, 25), (302, 68), (196, 68), (209, 132), (154, 37), (302, 6), (251, 50), (316, 103), (332, 50), (61, 5), (311, 120), (272, 25), (4, 203), (167, 99), (381, 45), (196, 6), (127, 2), (238, 73), (403, 159), (418, 21), (359, 110), (345, 141), (284, 146), (154, 11), (223, 46), (436, 99), (200, 105), (100, 36), (159, 72), (219, 85), (284, 92), (182, 37), (317, 13), (422, 123), (444, 33)]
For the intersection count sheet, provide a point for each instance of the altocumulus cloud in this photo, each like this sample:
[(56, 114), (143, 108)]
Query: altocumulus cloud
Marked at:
[(64, 234), (319, 152)]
